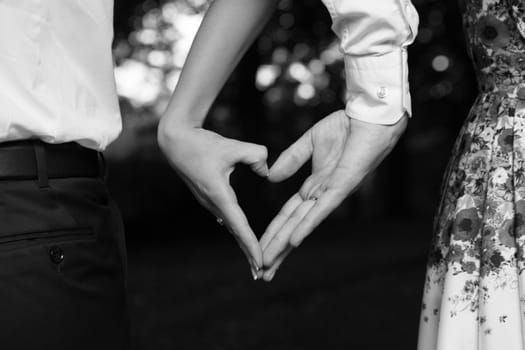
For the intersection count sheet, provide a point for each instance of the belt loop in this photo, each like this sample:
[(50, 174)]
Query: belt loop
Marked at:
[(102, 167), (41, 164)]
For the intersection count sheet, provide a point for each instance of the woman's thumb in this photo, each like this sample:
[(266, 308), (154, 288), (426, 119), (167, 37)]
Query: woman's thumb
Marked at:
[(255, 156)]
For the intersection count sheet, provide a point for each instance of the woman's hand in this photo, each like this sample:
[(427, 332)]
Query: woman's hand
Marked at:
[(205, 160), (343, 152)]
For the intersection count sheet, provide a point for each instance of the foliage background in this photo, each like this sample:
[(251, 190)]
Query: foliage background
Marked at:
[(363, 269)]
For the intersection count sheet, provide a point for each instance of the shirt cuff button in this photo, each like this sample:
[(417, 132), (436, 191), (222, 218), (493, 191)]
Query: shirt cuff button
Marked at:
[(381, 92)]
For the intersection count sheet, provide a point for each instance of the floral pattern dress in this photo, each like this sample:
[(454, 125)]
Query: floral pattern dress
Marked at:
[(474, 294)]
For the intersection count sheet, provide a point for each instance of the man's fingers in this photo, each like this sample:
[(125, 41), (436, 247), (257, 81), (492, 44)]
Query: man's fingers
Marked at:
[(279, 220), (281, 239), (292, 158), (270, 272), (313, 184), (346, 177), (254, 155), (324, 205)]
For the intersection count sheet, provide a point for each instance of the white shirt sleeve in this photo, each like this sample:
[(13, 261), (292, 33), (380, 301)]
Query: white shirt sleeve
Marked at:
[(374, 36)]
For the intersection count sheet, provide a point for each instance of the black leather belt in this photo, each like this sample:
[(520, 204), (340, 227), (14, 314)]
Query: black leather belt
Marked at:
[(28, 159)]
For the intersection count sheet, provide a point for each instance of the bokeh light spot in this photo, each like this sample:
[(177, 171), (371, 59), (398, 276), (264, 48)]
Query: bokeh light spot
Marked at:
[(266, 75), (440, 63), (306, 91), (299, 72)]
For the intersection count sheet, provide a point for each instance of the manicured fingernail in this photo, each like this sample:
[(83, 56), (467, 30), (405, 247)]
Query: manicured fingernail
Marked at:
[(256, 270), (271, 275)]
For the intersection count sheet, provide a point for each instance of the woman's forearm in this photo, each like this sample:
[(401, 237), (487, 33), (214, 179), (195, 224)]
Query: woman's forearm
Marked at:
[(228, 29)]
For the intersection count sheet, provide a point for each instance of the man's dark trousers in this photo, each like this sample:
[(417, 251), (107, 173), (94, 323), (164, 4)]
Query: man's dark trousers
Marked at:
[(62, 251)]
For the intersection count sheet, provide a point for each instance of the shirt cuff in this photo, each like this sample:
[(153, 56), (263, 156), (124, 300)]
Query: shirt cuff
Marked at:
[(377, 87)]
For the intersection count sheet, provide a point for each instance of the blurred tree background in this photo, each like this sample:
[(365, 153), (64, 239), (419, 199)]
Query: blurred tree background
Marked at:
[(290, 78)]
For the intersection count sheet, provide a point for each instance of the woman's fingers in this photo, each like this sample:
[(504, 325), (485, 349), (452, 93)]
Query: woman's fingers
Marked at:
[(257, 272), (233, 217), (204, 160)]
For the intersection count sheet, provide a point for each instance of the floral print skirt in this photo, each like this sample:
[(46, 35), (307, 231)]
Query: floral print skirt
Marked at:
[(474, 294)]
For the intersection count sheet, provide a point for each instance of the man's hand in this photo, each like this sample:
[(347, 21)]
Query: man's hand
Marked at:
[(205, 160), (343, 152)]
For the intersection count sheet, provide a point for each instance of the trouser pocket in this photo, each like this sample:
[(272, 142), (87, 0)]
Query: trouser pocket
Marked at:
[(61, 271), (25, 240)]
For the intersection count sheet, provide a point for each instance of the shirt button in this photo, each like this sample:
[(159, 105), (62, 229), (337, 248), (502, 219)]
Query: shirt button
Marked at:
[(56, 254), (381, 92)]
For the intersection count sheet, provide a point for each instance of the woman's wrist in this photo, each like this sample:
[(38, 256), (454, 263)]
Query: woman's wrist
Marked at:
[(172, 127), (174, 119)]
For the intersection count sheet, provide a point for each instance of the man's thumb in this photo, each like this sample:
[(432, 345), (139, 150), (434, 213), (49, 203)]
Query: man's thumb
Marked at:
[(292, 159)]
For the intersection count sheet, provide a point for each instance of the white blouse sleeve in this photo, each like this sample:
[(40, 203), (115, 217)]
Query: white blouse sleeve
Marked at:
[(374, 36)]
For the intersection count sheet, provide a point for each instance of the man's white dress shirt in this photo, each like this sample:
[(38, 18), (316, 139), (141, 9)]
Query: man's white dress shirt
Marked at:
[(57, 80), (56, 72), (374, 36)]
